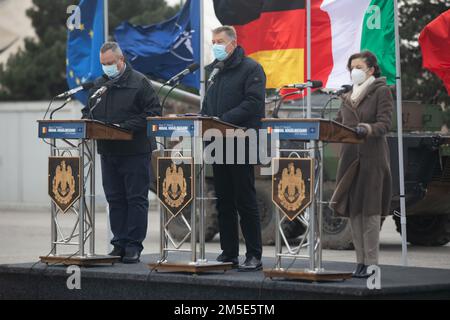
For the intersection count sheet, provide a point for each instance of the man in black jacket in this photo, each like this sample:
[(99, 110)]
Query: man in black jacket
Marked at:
[(236, 96), (127, 102)]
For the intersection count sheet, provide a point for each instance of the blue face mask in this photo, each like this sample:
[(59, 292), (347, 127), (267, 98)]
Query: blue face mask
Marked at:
[(111, 70), (219, 51)]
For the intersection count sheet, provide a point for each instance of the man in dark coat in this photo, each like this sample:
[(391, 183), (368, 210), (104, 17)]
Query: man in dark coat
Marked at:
[(236, 96), (127, 102)]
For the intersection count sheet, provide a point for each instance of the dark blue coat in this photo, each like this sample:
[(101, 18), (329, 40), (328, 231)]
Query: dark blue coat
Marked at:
[(128, 102), (238, 93)]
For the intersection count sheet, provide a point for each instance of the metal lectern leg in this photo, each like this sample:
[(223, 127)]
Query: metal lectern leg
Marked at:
[(82, 205), (53, 231), (312, 218), (202, 206), (320, 209), (278, 244), (92, 198), (194, 203)]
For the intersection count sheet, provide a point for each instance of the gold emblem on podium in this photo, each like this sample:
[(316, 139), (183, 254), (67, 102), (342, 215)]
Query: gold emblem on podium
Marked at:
[(176, 184), (292, 185), (64, 181)]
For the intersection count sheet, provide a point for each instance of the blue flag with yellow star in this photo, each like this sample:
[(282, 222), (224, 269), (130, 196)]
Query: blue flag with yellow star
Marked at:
[(84, 40), (164, 49)]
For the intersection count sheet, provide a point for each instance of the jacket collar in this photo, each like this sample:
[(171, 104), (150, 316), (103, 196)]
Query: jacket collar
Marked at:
[(232, 61), (379, 82), (121, 81)]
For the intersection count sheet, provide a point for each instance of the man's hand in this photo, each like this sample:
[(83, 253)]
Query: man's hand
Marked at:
[(361, 132)]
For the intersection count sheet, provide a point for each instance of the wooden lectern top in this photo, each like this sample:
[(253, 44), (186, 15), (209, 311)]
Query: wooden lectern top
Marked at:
[(311, 129), (81, 129), (165, 126)]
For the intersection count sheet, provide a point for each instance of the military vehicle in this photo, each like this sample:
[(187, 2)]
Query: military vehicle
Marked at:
[(427, 177)]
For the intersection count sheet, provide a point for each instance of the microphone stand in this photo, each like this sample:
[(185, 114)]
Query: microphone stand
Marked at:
[(167, 94), (59, 108), (277, 107), (332, 97), (91, 116)]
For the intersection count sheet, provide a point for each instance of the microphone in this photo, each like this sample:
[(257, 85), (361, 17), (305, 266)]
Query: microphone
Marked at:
[(309, 84), (71, 92), (176, 78), (217, 68), (344, 89), (99, 92)]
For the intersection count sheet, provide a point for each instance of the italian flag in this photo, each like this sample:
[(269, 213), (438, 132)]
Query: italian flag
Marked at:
[(343, 27), (339, 28)]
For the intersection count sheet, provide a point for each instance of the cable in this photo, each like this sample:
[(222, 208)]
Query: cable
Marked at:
[(280, 101), (324, 109), (261, 287), (48, 108), (168, 93), (147, 278), (59, 108)]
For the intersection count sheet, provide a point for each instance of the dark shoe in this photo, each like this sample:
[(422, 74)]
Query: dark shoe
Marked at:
[(251, 264), (359, 268), (363, 273), (224, 258), (131, 256), (117, 252)]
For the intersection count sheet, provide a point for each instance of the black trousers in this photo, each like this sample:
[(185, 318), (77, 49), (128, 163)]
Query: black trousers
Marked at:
[(126, 182), (235, 191)]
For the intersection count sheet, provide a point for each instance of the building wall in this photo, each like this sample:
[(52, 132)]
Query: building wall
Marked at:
[(15, 26)]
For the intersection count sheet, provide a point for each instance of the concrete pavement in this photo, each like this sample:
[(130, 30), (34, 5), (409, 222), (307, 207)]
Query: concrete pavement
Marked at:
[(24, 236)]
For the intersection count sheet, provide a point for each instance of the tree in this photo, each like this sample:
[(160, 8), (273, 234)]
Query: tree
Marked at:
[(38, 71), (417, 82)]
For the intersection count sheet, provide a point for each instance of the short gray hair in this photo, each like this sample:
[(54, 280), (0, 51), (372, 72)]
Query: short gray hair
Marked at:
[(230, 31), (113, 46)]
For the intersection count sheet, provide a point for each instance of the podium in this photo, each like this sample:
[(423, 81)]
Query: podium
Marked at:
[(181, 178), (297, 191), (72, 186)]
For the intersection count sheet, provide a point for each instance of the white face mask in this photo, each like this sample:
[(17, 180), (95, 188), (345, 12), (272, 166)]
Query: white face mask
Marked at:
[(358, 76)]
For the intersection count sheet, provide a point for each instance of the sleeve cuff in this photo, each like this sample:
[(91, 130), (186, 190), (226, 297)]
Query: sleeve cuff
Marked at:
[(367, 126)]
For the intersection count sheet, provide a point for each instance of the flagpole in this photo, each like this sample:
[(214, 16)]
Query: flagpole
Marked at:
[(308, 57), (105, 19), (202, 54), (400, 135), (106, 35)]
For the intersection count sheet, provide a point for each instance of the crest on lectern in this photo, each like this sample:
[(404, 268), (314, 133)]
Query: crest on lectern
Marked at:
[(175, 182), (292, 185), (64, 181)]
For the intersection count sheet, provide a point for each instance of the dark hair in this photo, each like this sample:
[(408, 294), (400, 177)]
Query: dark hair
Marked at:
[(369, 58), (113, 46)]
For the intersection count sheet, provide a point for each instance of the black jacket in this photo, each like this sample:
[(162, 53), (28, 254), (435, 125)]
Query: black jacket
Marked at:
[(238, 93), (128, 102)]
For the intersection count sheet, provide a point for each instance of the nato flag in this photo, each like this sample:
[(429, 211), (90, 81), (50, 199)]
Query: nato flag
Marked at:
[(162, 50)]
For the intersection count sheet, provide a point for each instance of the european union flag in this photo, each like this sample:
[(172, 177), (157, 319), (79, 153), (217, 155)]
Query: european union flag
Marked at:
[(84, 41), (164, 49)]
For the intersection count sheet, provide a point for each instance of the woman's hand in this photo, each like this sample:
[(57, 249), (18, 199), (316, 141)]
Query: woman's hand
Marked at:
[(361, 132)]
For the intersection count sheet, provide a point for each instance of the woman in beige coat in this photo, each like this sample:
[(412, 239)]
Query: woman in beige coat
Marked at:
[(363, 182)]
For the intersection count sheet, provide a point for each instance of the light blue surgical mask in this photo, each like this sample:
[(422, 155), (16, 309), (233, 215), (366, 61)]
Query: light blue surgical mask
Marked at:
[(219, 51), (111, 71)]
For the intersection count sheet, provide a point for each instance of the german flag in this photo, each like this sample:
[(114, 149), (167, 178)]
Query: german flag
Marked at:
[(276, 38)]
